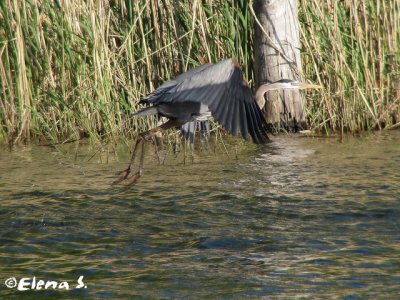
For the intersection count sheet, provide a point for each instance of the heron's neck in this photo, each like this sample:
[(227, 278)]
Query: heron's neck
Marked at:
[(261, 92), (260, 95)]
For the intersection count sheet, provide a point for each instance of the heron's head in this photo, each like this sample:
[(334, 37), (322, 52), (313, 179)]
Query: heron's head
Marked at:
[(282, 84), (291, 84)]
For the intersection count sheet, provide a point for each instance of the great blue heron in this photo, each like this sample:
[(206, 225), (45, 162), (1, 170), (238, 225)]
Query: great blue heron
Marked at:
[(218, 90)]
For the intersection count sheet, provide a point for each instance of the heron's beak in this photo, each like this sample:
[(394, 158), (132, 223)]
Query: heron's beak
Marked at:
[(306, 85)]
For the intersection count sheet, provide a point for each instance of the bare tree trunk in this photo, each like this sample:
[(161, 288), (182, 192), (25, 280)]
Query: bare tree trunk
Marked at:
[(277, 56)]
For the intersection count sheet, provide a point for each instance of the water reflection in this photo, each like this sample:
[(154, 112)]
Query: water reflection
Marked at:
[(306, 218)]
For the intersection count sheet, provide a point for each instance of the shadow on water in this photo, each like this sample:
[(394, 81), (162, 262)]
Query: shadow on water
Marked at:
[(306, 218)]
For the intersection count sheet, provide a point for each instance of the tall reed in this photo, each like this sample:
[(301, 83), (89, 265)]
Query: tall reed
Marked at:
[(73, 69), (352, 49)]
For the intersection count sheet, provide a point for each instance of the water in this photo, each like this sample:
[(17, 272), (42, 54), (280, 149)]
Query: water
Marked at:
[(299, 218)]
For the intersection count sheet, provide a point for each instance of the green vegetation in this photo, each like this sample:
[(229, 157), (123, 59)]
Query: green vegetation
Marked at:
[(352, 49), (73, 69)]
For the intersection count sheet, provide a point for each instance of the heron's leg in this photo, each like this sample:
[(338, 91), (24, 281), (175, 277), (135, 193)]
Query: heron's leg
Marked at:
[(188, 133), (138, 174), (145, 136), (125, 173), (159, 142), (192, 132), (205, 134), (150, 133)]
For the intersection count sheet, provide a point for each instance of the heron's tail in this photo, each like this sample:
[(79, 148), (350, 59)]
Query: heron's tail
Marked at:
[(148, 111)]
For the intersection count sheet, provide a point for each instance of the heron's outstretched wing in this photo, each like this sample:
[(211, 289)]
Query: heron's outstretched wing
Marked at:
[(167, 86), (222, 87)]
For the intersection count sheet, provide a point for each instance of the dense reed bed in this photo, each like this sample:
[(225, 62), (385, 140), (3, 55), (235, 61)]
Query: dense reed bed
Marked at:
[(352, 49), (73, 69)]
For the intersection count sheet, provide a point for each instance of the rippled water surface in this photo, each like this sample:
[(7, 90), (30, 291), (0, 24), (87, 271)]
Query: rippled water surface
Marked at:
[(300, 217)]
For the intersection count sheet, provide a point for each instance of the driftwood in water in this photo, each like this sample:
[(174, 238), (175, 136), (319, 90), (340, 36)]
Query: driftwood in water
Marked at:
[(277, 56)]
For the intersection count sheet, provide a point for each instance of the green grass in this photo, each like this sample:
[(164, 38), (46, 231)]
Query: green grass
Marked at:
[(74, 69), (352, 49)]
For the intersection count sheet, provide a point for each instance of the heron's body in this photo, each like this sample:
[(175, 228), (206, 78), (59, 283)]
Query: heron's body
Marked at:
[(182, 112), (218, 90)]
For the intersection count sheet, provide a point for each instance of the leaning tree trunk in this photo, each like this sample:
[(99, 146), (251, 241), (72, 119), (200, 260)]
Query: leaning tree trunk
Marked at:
[(277, 56)]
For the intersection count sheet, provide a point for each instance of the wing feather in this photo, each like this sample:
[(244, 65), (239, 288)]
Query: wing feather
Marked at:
[(234, 120), (223, 89), (218, 108), (243, 120), (227, 114), (159, 92), (253, 124), (257, 118), (167, 86)]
